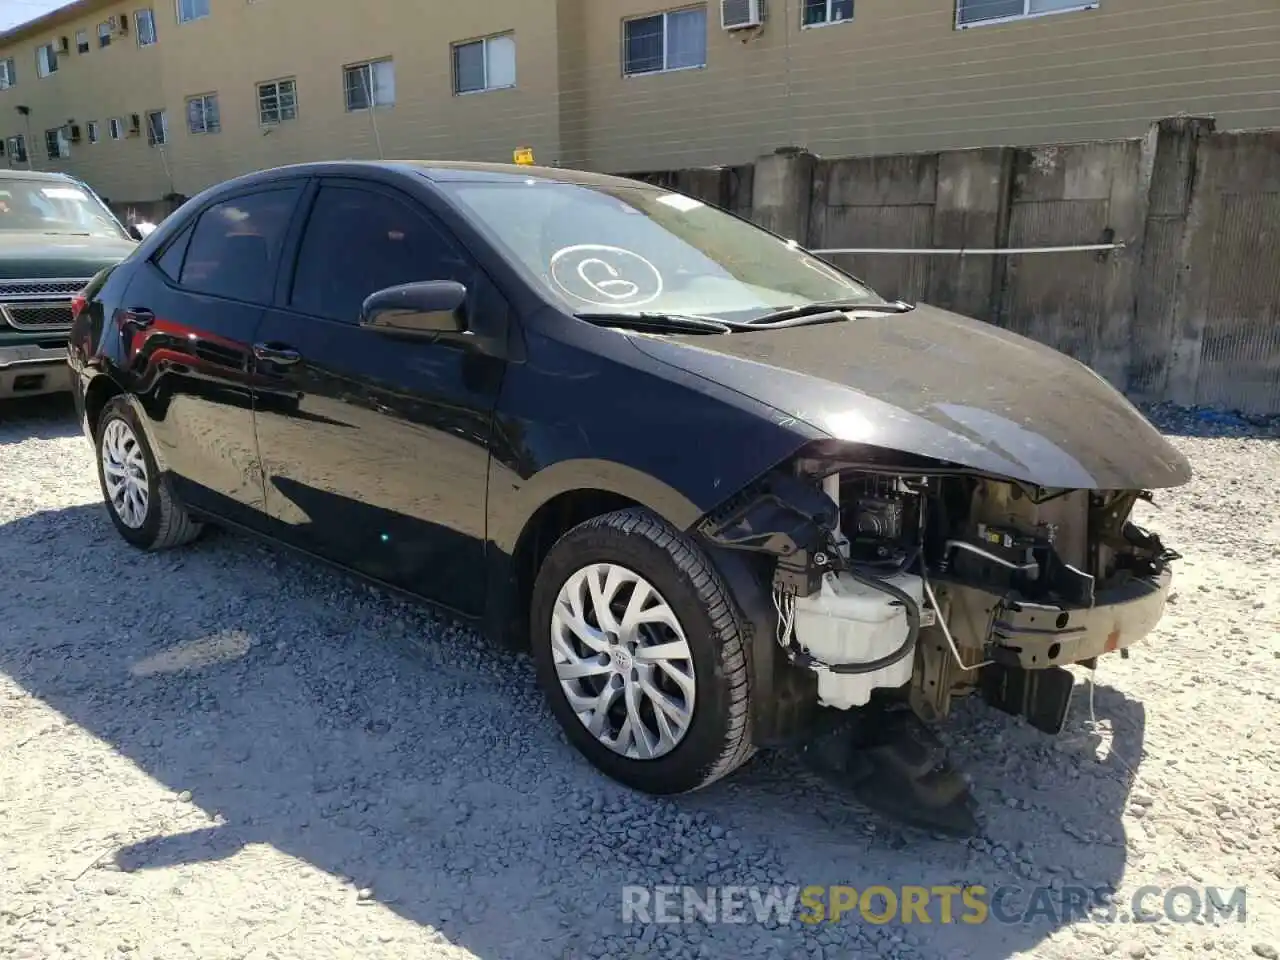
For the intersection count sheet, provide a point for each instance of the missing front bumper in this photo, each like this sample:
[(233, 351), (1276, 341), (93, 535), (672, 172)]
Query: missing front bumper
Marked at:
[(1014, 652), (1036, 637)]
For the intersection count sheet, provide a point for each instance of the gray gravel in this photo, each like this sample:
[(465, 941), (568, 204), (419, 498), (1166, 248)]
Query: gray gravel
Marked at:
[(226, 752)]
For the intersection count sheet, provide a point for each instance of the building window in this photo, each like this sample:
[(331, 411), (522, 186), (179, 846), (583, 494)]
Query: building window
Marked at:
[(115, 128), (488, 64), (971, 12), (370, 84), (820, 12), (46, 60), (55, 144), (93, 131), (665, 41), (18, 149), (82, 41), (157, 128), (189, 10), (104, 34), (277, 101), (202, 114), (144, 22), (8, 73)]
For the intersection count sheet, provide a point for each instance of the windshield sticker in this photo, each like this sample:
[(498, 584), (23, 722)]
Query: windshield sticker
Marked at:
[(605, 276), (682, 203), (63, 193)]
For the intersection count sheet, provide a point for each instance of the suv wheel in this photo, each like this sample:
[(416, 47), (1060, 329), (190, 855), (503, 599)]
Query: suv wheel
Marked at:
[(639, 649), (142, 506)]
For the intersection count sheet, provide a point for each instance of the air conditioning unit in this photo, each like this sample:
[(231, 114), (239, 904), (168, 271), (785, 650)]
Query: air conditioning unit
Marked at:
[(741, 14)]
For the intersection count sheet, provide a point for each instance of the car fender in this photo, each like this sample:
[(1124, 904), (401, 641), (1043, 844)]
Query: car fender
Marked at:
[(681, 451), (588, 474)]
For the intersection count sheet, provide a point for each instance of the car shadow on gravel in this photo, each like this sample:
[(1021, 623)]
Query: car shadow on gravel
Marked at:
[(300, 707)]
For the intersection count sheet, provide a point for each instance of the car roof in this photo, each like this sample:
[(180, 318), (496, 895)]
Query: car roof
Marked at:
[(34, 175), (440, 171)]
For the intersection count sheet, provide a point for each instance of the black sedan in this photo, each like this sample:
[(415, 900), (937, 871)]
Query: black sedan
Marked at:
[(724, 491)]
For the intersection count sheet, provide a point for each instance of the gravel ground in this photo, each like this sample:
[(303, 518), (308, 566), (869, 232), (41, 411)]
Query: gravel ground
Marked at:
[(226, 752)]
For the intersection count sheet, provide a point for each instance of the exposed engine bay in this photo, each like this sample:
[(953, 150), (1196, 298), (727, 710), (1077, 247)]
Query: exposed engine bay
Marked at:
[(914, 587)]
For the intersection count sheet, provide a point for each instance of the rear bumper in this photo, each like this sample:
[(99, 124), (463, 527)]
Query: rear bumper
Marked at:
[(31, 370)]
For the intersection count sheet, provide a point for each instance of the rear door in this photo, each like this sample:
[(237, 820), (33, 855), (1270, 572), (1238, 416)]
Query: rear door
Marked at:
[(189, 320), (376, 450)]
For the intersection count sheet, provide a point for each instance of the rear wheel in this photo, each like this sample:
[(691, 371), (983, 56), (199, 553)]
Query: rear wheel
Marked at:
[(141, 504), (639, 650)]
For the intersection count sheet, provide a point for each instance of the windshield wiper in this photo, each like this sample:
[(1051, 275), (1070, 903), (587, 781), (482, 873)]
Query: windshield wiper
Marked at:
[(664, 322), (823, 308), (693, 323)]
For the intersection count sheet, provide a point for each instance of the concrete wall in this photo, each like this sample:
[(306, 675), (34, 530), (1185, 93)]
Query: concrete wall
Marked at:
[(1188, 310)]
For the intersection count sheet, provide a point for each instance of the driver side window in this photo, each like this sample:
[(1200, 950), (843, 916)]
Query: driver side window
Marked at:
[(360, 241)]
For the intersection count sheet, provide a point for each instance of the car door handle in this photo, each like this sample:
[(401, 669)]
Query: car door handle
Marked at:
[(139, 317), (275, 353)]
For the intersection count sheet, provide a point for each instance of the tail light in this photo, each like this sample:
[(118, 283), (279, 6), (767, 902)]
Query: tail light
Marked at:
[(78, 303)]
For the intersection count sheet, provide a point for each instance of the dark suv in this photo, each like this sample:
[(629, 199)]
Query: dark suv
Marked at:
[(55, 235), (722, 489)]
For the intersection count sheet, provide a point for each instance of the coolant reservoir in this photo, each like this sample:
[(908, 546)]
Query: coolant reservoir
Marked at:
[(847, 621)]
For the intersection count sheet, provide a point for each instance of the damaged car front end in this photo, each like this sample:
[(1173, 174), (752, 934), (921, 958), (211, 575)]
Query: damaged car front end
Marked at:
[(901, 584)]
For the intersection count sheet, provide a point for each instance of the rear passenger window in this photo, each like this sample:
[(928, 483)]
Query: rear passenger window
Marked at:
[(358, 242), (170, 261), (236, 246)]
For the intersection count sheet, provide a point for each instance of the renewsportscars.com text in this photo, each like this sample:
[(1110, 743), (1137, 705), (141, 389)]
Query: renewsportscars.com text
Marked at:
[(974, 904)]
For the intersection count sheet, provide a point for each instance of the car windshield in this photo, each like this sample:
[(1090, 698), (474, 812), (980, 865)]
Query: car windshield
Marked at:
[(54, 207), (625, 249)]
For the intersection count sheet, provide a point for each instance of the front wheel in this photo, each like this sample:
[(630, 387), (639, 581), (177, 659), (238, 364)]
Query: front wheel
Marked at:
[(640, 651), (142, 506)]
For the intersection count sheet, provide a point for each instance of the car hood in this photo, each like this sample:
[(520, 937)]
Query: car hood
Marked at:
[(36, 256), (937, 384)]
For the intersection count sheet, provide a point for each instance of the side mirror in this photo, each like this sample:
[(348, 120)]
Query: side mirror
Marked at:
[(424, 309)]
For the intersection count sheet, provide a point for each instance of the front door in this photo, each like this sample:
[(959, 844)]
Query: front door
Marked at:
[(375, 450), (189, 319)]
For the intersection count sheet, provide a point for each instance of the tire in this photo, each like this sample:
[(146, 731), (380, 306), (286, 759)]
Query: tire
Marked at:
[(717, 738), (162, 522)]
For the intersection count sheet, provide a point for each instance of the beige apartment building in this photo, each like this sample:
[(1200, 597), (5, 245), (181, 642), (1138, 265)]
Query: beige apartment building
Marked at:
[(144, 98)]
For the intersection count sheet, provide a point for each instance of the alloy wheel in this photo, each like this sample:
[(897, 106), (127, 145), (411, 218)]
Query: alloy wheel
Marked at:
[(623, 661), (124, 471)]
